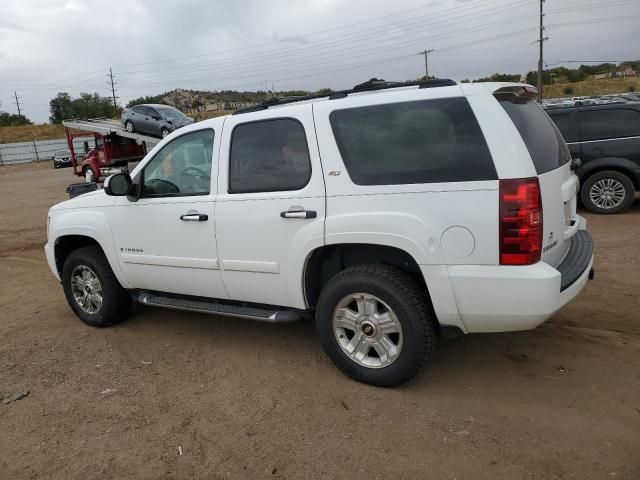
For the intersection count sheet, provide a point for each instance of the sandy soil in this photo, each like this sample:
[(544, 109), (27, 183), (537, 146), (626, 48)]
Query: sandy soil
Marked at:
[(249, 400)]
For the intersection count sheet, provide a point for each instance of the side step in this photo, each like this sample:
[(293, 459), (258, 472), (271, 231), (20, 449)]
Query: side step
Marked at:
[(251, 313)]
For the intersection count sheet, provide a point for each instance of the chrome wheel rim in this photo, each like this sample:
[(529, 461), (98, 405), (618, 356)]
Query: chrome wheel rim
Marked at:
[(367, 330), (86, 289), (607, 193), (165, 133), (129, 127)]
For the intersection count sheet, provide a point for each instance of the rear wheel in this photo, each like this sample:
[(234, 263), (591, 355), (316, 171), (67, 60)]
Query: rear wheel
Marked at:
[(92, 290), (375, 325), (129, 126), (608, 191)]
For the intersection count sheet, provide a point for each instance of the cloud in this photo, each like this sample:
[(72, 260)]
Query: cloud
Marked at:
[(48, 46)]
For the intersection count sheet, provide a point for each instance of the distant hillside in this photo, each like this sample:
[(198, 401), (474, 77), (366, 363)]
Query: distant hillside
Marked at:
[(28, 133), (592, 87)]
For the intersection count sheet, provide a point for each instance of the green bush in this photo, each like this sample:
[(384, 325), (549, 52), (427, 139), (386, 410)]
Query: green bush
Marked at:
[(567, 91), (631, 88)]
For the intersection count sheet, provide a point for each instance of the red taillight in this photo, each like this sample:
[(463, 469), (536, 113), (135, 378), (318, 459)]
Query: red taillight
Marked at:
[(520, 221)]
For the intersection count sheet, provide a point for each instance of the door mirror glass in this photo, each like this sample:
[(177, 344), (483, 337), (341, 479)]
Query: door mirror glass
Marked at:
[(117, 185)]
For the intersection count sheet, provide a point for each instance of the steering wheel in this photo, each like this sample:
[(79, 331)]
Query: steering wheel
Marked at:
[(156, 184), (195, 172)]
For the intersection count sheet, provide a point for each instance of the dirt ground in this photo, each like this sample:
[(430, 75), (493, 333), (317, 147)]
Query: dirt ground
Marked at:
[(242, 399)]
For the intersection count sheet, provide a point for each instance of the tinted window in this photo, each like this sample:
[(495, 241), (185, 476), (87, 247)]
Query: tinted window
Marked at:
[(562, 122), (182, 167), (412, 142), (615, 123), (140, 110), (269, 156), (546, 146)]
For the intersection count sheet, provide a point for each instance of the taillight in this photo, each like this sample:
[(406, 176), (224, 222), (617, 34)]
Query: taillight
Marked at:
[(520, 221)]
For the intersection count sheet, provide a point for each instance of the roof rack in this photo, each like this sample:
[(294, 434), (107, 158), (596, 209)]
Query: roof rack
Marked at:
[(370, 85)]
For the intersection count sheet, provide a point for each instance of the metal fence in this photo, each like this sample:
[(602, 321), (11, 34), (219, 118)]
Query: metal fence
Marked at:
[(38, 151)]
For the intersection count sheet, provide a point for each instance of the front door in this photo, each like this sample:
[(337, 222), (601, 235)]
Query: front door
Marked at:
[(166, 239), (270, 207)]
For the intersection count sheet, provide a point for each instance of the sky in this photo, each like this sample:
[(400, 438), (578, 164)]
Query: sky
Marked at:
[(51, 46)]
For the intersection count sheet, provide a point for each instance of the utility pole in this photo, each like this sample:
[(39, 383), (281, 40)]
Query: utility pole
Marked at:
[(540, 61), (425, 52), (113, 92), (17, 103)]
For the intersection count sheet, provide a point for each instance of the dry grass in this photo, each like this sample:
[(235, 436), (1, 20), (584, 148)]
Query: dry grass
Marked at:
[(28, 133), (198, 117), (592, 87)]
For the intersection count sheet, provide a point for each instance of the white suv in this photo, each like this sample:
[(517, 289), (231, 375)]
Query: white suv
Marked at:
[(391, 215)]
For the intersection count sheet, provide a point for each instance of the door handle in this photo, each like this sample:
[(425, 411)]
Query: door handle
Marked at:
[(298, 212), (194, 217)]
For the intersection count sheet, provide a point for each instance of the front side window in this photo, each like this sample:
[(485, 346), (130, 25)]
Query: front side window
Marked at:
[(426, 141), (269, 156), (182, 167), (605, 124), (140, 110)]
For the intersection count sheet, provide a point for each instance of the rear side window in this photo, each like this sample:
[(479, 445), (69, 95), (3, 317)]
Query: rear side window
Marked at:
[(427, 141), (546, 146), (614, 123), (269, 156)]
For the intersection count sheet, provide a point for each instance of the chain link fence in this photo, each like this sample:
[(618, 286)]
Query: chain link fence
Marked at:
[(38, 151)]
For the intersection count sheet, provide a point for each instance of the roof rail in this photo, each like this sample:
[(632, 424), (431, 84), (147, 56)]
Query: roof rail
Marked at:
[(370, 85)]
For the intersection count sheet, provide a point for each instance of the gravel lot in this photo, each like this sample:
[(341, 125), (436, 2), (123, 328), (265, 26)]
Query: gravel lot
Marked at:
[(247, 400)]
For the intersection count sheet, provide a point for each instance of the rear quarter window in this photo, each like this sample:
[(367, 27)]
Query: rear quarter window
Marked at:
[(605, 124), (427, 141), (546, 146)]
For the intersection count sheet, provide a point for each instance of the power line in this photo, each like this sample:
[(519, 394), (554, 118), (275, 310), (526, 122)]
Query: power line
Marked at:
[(426, 52), (15, 94), (113, 92)]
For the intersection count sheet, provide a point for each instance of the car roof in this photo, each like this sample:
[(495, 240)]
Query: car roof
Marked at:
[(599, 106)]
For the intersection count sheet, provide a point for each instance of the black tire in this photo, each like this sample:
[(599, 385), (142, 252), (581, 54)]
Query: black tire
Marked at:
[(620, 179), (126, 126), (408, 302), (116, 302)]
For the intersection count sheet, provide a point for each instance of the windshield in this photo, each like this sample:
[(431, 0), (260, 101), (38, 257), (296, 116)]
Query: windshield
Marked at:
[(170, 112)]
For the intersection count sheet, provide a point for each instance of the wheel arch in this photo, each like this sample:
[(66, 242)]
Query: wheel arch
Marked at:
[(326, 261), (620, 165)]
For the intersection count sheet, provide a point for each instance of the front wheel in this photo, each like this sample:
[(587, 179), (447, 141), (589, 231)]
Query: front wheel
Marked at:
[(164, 132), (89, 176), (92, 290), (374, 324), (129, 126), (608, 191)]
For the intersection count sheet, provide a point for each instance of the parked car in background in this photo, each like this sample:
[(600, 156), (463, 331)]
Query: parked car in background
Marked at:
[(152, 119), (61, 158), (606, 140)]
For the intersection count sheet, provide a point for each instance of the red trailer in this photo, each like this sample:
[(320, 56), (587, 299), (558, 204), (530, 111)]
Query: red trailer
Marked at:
[(110, 151)]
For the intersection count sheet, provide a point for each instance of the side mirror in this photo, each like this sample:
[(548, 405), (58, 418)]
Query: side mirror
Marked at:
[(117, 185)]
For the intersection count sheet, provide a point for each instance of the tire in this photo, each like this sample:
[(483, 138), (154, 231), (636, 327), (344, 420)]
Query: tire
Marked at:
[(396, 295), (164, 132), (88, 174), (607, 192), (129, 127), (115, 301)]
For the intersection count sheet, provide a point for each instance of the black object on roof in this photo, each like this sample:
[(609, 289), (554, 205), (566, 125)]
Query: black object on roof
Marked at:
[(370, 85)]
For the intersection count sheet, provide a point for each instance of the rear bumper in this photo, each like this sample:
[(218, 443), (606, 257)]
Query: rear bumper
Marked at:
[(502, 298)]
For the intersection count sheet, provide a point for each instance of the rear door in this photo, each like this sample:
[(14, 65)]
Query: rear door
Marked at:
[(551, 159), (610, 133), (270, 207)]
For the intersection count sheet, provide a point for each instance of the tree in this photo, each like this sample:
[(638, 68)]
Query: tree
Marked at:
[(88, 105), (13, 120)]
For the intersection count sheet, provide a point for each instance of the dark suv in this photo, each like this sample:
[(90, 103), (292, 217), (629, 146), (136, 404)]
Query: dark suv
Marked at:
[(606, 139)]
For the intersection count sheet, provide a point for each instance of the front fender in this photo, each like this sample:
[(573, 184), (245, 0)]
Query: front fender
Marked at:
[(89, 223)]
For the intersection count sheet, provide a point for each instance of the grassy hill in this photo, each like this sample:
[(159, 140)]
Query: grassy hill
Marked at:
[(592, 87), (28, 133)]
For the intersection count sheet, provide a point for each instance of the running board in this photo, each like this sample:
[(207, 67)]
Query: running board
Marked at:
[(251, 313)]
